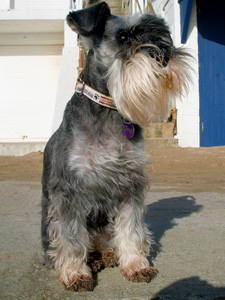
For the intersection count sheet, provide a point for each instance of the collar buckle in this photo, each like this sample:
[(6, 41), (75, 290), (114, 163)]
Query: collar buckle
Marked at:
[(80, 85)]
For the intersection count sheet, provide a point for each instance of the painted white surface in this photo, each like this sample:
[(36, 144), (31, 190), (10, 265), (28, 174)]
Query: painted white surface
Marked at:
[(188, 106), (21, 148), (27, 39), (35, 4), (67, 76), (28, 85), (33, 14), (42, 4), (188, 118), (31, 26), (38, 69), (4, 4)]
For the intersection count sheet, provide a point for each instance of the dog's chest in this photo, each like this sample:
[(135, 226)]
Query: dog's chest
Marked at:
[(91, 156), (111, 164)]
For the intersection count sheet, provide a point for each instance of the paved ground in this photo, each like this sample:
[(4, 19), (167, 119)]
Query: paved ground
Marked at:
[(185, 211)]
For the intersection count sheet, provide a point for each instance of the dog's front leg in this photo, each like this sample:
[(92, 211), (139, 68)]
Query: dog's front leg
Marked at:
[(132, 243), (68, 249)]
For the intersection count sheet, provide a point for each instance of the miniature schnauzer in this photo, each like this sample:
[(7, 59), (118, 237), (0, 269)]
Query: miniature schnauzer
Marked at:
[(94, 178)]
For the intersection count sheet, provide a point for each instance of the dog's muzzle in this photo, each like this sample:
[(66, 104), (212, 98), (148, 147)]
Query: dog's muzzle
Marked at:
[(162, 56), (160, 53)]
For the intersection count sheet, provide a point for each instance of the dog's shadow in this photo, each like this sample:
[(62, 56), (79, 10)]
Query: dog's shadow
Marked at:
[(160, 216), (191, 288)]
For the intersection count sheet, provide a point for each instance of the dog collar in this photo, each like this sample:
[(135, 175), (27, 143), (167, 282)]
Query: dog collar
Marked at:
[(83, 89)]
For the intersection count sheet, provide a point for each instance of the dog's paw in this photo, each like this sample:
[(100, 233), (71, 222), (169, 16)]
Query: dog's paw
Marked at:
[(95, 261), (82, 284), (96, 265), (143, 275), (109, 258)]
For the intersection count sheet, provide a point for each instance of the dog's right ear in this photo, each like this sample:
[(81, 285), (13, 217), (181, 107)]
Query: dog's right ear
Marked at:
[(89, 21)]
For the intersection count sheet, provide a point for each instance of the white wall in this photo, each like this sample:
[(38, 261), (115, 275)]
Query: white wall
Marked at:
[(28, 85), (30, 58), (40, 4), (188, 118), (188, 105), (67, 76), (35, 4), (38, 70), (4, 4)]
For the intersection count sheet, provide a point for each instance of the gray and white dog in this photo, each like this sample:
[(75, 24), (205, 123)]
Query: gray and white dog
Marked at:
[(94, 178)]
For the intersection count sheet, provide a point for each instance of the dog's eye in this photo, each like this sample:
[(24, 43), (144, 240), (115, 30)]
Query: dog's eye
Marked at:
[(124, 38)]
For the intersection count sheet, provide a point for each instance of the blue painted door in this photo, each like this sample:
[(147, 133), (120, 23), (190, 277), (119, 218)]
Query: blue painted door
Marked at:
[(211, 43)]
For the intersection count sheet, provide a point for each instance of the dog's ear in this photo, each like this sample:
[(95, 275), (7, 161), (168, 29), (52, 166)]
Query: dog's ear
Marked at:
[(89, 21)]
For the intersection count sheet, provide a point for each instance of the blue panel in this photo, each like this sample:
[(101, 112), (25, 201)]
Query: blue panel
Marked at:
[(211, 44), (185, 14)]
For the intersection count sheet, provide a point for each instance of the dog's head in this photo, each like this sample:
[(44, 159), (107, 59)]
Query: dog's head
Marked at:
[(142, 67)]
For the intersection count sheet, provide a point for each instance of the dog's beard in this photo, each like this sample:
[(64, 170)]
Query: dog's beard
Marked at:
[(141, 87)]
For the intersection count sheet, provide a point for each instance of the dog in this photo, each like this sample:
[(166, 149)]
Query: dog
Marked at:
[(94, 179)]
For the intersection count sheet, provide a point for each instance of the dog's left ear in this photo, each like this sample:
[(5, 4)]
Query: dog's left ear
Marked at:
[(89, 21)]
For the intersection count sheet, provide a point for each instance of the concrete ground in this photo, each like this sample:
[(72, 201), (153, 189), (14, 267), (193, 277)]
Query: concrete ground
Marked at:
[(185, 212)]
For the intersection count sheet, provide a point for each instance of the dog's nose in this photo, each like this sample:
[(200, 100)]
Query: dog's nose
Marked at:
[(160, 55)]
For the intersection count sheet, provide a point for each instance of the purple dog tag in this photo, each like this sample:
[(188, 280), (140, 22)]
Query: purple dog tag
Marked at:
[(128, 129)]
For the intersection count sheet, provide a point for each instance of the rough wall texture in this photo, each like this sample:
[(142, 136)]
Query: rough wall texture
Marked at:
[(115, 5)]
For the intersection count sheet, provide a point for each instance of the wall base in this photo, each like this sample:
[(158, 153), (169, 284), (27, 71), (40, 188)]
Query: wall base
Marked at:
[(21, 148)]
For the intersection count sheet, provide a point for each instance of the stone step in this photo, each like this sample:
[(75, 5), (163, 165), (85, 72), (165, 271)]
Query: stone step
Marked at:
[(160, 143), (116, 7), (159, 130), (118, 11), (157, 119)]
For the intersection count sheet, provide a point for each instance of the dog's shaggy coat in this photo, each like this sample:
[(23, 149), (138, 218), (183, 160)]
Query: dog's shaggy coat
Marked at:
[(93, 177)]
